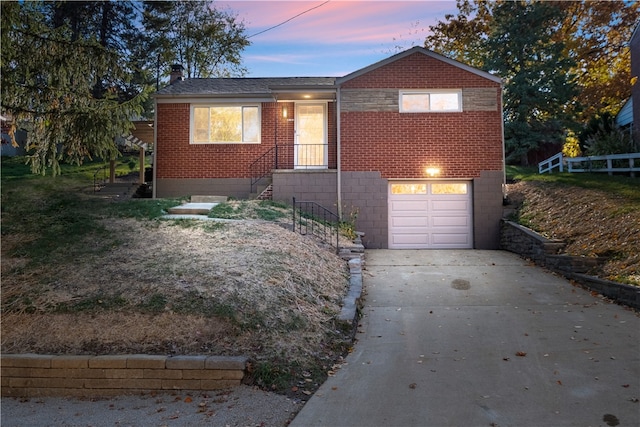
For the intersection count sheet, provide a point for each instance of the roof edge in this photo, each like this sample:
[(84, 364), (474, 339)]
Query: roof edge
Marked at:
[(424, 51)]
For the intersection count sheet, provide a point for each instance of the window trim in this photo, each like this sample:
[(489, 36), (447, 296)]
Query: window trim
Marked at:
[(193, 106), (430, 92)]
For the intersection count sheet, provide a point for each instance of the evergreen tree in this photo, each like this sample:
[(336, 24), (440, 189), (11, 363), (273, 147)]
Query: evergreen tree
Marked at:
[(65, 81), (538, 86), (75, 74)]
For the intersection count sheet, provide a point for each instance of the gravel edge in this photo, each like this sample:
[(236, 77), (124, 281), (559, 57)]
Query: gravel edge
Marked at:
[(240, 406)]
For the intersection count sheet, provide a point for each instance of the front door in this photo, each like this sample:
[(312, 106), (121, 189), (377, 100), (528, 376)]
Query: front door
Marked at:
[(311, 136)]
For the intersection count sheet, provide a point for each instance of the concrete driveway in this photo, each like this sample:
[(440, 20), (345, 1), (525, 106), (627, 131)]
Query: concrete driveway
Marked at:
[(481, 338)]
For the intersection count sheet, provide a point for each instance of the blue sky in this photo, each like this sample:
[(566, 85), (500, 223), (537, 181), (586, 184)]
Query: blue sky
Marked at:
[(335, 38)]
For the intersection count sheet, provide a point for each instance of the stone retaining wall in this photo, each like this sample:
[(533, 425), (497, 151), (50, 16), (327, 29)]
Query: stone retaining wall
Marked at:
[(27, 375), (547, 253)]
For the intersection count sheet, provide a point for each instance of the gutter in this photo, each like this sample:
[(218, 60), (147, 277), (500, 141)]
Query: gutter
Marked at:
[(504, 160)]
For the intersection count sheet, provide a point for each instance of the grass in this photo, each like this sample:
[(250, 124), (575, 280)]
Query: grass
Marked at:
[(61, 214), (266, 210), (69, 254), (623, 186), (93, 303), (596, 215)]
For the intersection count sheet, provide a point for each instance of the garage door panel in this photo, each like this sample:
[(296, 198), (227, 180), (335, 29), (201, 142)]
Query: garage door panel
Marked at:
[(451, 221), (409, 205), (410, 221), (452, 239), (449, 205), (411, 240), (430, 219)]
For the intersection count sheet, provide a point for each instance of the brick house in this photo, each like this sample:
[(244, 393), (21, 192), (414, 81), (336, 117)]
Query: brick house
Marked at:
[(413, 144)]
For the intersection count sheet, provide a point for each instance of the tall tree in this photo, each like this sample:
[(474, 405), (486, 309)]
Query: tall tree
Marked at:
[(595, 36), (207, 42), (463, 37), (65, 83), (538, 87)]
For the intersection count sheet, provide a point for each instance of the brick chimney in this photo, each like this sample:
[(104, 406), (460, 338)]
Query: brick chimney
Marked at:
[(176, 73)]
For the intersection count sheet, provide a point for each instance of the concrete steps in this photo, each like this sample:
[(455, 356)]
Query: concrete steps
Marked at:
[(208, 199), (120, 190), (199, 205)]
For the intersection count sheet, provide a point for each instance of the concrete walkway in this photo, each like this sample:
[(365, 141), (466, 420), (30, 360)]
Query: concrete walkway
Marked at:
[(481, 338)]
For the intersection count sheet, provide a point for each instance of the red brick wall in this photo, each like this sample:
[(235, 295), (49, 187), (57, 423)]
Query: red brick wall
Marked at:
[(176, 158), (403, 145)]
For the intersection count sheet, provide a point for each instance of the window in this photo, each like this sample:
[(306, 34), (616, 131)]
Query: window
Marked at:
[(225, 124), (430, 101), (449, 188), (408, 188)]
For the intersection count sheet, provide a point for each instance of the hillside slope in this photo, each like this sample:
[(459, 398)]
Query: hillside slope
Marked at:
[(592, 222)]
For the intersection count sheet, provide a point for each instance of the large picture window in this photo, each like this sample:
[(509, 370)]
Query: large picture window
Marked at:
[(225, 124), (426, 101)]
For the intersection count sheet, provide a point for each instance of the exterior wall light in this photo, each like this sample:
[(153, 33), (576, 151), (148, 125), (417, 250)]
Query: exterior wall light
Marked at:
[(433, 171), (285, 113)]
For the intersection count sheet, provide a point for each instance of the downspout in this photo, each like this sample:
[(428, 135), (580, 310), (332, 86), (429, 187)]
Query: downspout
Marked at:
[(154, 182), (276, 117), (339, 177), (504, 160)]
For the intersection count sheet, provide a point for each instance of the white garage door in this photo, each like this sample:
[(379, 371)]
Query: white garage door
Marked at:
[(430, 215)]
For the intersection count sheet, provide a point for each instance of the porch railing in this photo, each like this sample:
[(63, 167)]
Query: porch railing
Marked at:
[(99, 182), (292, 156), (261, 168), (310, 218)]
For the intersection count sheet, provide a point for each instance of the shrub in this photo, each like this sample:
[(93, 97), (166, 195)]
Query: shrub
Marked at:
[(608, 139)]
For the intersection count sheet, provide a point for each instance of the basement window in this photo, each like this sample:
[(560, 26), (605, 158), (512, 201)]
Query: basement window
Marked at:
[(428, 101), (225, 124)]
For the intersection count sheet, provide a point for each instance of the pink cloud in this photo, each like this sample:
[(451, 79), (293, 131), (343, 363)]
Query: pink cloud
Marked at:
[(337, 21)]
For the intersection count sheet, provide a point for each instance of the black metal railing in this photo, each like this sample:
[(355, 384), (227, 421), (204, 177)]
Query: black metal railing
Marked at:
[(98, 184), (310, 218), (261, 168), (292, 156)]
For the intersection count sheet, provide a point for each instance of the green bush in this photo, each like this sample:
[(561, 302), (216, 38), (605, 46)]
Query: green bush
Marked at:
[(608, 139)]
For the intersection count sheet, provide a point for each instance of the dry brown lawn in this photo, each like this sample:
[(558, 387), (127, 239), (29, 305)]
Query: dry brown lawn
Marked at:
[(591, 222), (248, 288)]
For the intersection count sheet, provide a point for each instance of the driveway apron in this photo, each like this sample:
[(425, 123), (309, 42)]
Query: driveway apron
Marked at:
[(481, 338)]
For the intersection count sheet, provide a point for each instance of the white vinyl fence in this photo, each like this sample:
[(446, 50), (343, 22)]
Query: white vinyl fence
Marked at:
[(612, 163)]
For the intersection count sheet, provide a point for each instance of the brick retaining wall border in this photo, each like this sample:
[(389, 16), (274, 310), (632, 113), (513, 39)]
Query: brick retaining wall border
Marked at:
[(29, 375), (547, 253)]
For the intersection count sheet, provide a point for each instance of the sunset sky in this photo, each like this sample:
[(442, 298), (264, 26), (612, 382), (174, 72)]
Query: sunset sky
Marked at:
[(335, 38)]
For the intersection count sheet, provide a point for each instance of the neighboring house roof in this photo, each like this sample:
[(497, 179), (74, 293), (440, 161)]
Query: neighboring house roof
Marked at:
[(625, 115), (424, 51), (245, 87)]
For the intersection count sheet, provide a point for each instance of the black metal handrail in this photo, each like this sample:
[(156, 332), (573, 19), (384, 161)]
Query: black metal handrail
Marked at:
[(310, 218), (263, 166), (96, 185), (292, 156)]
